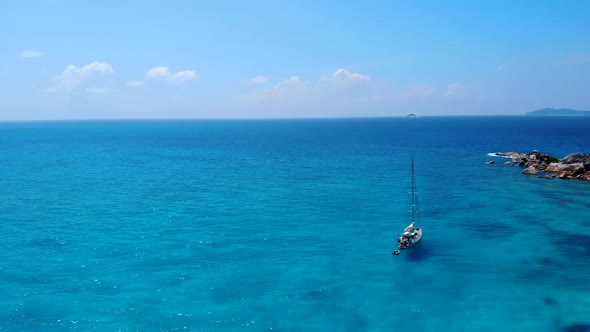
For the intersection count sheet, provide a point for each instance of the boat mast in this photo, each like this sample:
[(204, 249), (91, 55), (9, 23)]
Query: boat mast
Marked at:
[(413, 198)]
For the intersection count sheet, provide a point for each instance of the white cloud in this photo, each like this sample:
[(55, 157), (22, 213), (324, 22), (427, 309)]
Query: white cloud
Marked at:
[(158, 72), (343, 74), (183, 76), (258, 80), (27, 54), (346, 93), (290, 87), (134, 84), (73, 77), (342, 88), (163, 72), (342, 93)]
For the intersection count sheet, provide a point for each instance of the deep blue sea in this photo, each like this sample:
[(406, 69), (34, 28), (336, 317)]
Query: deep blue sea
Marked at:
[(289, 225)]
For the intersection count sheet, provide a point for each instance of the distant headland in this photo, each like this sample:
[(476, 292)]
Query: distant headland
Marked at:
[(558, 112), (411, 115), (573, 166)]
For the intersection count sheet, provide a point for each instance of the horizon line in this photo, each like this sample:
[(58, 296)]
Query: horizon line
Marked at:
[(269, 118)]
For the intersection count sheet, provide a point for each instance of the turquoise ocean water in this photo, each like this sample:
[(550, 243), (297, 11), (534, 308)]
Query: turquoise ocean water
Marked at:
[(288, 225)]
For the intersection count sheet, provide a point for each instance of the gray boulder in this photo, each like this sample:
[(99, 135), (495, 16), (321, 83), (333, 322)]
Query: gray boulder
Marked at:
[(556, 167), (531, 170), (576, 157)]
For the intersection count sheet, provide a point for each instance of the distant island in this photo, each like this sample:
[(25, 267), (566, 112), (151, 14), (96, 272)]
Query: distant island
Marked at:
[(411, 115), (558, 112)]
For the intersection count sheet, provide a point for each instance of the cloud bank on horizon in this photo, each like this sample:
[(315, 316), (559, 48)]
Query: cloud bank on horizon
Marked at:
[(293, 60)]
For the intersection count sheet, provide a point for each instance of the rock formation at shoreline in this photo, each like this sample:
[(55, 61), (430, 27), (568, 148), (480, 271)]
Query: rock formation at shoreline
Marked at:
[(572, 166)]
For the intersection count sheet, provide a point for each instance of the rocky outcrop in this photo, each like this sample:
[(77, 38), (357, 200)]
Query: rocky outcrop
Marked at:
[(572, 166), (576, 157), (513, 155), (531, 170)]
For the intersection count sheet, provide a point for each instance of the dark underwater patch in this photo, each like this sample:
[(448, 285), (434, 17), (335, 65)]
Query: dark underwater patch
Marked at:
[(46, 243), (489, 230), (550, 263), (550, 301), (420, 253), (321, 292), (542, 268), (546, 261), (318, 294), (577, 328), (354, 322), (573, 245), (537, 273)]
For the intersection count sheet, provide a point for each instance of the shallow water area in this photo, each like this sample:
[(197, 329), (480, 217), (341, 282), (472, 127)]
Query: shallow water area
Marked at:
[(289, 225)]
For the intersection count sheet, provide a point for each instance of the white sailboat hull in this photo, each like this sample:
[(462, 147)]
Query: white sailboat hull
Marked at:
[(408, 240)]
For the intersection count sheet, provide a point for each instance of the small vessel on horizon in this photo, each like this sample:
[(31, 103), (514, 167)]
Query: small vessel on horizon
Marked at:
[(412, 234)]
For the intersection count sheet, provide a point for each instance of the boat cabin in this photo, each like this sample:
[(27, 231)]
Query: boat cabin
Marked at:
[(408, 238)]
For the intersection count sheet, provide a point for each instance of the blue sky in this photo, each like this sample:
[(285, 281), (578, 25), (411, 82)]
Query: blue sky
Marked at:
[(252, 59)]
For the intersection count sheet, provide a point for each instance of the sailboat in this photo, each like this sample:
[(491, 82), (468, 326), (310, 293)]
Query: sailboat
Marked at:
[(412, 234)]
